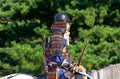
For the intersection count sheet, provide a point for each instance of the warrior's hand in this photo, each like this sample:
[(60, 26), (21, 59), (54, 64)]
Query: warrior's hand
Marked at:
[(75, 68), (65, 64)]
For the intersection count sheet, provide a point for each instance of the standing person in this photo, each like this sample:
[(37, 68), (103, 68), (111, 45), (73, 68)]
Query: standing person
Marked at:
[(56, 53)]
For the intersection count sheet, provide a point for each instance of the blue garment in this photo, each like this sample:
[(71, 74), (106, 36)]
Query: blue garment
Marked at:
[(61, 74), (57, 59)]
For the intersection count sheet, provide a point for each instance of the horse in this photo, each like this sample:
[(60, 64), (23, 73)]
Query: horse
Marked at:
[(109, 72), (28, 76), (20, 76)]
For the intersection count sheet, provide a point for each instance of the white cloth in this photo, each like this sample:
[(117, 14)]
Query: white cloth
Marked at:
[(67, 37)]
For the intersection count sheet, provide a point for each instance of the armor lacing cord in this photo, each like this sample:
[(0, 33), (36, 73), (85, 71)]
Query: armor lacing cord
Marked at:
[(59, 26), (58, 33), (51, 73)]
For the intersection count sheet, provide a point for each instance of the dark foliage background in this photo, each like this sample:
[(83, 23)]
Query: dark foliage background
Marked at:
[(23, 23)]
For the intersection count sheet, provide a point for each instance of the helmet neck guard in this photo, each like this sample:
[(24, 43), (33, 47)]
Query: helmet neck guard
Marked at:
[(58, 26)]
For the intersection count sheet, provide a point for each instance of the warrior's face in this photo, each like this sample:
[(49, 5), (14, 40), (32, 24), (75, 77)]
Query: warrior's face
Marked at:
[(67, 27)]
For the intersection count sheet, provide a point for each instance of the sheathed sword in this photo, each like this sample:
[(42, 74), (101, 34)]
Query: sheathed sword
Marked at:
[(82, 53)]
